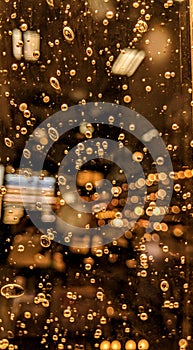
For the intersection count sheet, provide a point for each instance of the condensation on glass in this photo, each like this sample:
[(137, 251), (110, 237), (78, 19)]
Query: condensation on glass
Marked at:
[(96, 244)]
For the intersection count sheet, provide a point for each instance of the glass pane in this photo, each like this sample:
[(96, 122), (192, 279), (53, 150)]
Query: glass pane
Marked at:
[(96, 174)]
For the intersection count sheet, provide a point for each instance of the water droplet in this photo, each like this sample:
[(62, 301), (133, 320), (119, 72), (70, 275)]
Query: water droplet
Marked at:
[(45, 241), (14, 66), (167, 75), (26, 113), (137, 157), (72, 72), (143, 344), (45, 303), (164, 285), (12, 290), (38, 205), (111, 119), (130, 345), (89, 51), (183, 343), (109, 14), (148, 88), (4, 343), (23, 131), (61, 180), (27, 314), (105, 345), (64, 107), (24, 27), (36, 54), (23, 107), (26, 153), (177, 187), (136, 5), (55, 83), (143, 316), (20, 248), (127, 99), (68, 34), (67, 313), (115, 345), (53, 134), (141, 26), (9, 143), (50, 3)]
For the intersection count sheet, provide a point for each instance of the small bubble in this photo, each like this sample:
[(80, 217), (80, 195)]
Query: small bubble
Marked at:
[(46, 99), (148, 88), (60, 346), (24, 27), (12, 291), (177, 187), (55, 83), (124, 86), (143, 344), (26, 153), (147, 17), (130, 344), (45, 303), (45, 241), (23, 107), (26, 113), (164, 285), (7, 93), (137, 157), (89, 51), (4, 343), (89, 79), (175, 126), (115, 345), (88, 134), (13, 15), (53, 134), (27, 314), (61, 180), (38, 205), (50, 2), (170, 2), (135, 4), (109, 14), (68, 34), (167, 75), (36, 54), (67, 313), (127, 99), (14, 66), (23, 131), (160, 161), (41, 297), (141, 26), (9, 143), (111, 119), (72, 72), (144, 316), (64, 107), (183, 343), (20, 248)]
